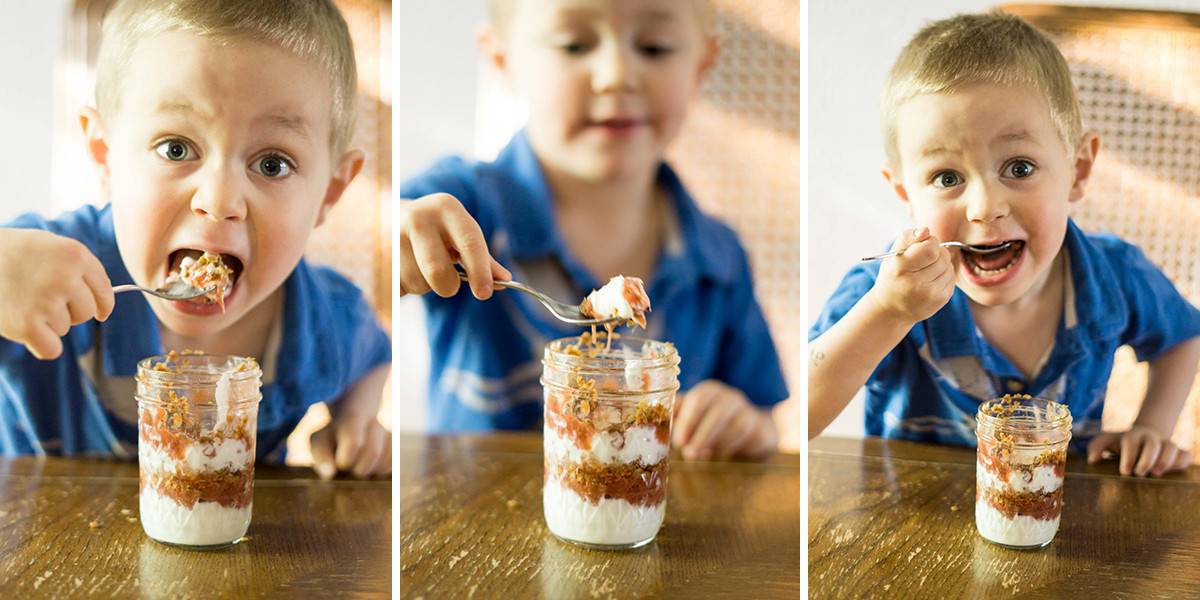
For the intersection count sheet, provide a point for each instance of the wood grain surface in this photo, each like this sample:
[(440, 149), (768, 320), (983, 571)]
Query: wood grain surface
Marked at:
[(69, 529), (471, 526), (893, 519)]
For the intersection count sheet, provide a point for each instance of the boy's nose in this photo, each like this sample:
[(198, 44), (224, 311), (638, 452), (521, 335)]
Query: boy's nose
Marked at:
[(220, 196), (986, 204), (613, 69)]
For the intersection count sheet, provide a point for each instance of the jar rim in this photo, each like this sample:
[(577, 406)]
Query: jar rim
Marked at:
[(201, 370), (1028, 414), (664, 355)]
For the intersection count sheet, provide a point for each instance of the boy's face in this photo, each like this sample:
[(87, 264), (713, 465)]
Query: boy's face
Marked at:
[(607, 81), (218, 148), (985, 165)]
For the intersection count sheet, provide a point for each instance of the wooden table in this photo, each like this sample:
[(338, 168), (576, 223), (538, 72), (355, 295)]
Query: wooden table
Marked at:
[(471, 526), (307, 537), (892, 519)]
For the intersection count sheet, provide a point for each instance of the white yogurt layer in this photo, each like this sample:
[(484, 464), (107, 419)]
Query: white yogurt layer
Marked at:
[(608, 522), (205, 524), (639, 445), (1020, 530), (229, 454), (1042, 479), (609, 300)]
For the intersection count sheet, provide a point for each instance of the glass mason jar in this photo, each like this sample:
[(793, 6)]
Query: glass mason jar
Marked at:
[(197, 415), (1021, 462), (607, 434)]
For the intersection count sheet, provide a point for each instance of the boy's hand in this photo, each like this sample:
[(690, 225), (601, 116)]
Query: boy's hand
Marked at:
[(1143, 451), (714, 420), (916, 284), (354, 443), (435, 233), (47, 284)]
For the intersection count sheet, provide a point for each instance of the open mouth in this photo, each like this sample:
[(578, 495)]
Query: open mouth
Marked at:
[(985, 261), (177, 260), (617, 125)]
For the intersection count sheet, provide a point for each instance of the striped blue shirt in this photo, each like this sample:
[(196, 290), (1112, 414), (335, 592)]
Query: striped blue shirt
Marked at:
[(929, 387), (486, 356), (329, 339)]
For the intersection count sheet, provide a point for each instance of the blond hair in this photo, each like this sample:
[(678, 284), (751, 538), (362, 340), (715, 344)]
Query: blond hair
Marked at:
[(500, 11), (981, 48), (311, 29)]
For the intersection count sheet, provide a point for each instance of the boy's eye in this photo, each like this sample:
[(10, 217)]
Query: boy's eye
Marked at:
[(573, 48), (1019, 169), (946, 179), (175, 150), (273, 166), (656, 50)]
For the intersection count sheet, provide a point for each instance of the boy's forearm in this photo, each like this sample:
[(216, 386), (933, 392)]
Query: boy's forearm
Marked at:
[(1170, 381), (842, 359)]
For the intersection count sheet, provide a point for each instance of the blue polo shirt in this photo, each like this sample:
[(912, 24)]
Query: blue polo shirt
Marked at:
[(929, 387), (329, 339), (486, 356)]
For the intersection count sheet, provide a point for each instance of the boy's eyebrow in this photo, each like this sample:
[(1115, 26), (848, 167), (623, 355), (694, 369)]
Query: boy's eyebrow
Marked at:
[(936, 150), (1017, 136), (296, 125), (179, 106)]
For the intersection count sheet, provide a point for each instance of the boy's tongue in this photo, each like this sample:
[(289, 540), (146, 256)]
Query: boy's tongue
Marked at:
[(995, 260)]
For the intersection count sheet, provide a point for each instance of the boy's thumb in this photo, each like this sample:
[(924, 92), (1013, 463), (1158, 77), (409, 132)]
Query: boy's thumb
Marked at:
[(322, 453)]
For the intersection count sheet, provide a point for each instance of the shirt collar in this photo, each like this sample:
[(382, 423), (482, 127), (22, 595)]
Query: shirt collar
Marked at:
[(952, 332), (518, 187)]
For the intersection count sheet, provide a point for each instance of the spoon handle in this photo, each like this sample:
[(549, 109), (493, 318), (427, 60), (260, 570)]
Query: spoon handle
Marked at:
[(129, 287), (891, 254)]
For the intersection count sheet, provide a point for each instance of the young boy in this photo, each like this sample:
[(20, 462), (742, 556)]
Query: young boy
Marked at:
[(582, 195), (985, 146), (219, 127)]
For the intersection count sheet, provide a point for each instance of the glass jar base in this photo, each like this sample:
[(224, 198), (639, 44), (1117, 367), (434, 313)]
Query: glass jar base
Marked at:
[(607, 547), (206, 548), (1012, 547)]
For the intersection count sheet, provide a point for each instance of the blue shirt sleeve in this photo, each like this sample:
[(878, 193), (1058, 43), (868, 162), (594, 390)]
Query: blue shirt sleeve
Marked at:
[(363, 341), (748, 360), (1159, 316)]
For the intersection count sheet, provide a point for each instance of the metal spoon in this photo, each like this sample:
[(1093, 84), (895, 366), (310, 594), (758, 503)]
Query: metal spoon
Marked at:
[(177, 290), (975, 249), (567, 313)]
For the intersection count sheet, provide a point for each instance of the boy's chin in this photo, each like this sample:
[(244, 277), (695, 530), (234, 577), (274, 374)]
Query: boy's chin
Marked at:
[(192, 321), (1001, 295)]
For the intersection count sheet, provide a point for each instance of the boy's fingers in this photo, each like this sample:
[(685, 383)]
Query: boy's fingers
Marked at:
[(42, 342), (82, 305), (437, 267), (740, 430), (1151, 448), (411, 280), (920, 256), (468, 240), (101, 287), (350, 438), (1130, 446), (368, 456), (708, 432), (691, 408), (499, 272), (322, 453), (1166, 459), (58, 320), (383, 468), (1096, 448), (1183, 460)]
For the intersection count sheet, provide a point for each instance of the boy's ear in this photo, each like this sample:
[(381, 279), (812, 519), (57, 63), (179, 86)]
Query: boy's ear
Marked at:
[(892, 176), (708, 59), (1085, 157), (346, 171), (97, 147), (492, 48)]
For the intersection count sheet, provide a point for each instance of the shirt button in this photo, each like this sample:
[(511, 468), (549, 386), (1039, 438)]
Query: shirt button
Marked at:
[(1015, 386)]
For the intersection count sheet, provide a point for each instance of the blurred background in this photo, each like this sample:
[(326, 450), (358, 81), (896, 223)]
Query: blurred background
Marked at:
[(739, 153), (1139, 88), (47, 53)]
